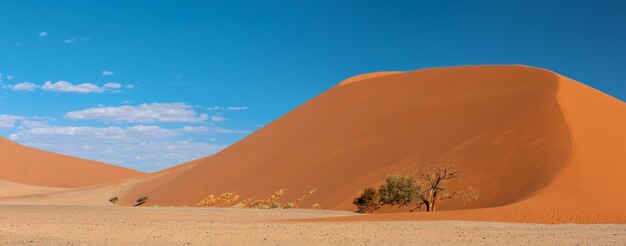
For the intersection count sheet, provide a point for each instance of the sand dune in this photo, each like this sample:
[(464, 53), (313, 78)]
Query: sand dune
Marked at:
[(12, 189), (31, 166), (513, 130), (538, 146)]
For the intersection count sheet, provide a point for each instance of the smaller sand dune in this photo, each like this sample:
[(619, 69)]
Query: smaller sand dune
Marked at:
[(12, 189), (26, 165)]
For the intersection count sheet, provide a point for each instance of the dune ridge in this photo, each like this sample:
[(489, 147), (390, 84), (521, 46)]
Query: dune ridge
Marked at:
[(26, 165)]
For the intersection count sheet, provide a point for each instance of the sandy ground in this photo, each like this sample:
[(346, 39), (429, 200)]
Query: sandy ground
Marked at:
[(57, 225)]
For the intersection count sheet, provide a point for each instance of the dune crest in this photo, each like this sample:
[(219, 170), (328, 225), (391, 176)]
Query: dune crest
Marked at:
[(365, 76)]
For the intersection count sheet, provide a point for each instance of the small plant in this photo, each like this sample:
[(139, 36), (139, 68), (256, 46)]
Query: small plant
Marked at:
[(222, 200), (289, 205), (227, 198), (141, 201), (114, 200), (316, 206), (275, 205), (268, 203), (207, 201), (305, 196), (239, 205), (368, 201), (469, 195), (256, 204)]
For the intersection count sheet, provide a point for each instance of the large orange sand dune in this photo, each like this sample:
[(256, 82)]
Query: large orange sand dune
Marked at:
[(22, 164), (538, 146)]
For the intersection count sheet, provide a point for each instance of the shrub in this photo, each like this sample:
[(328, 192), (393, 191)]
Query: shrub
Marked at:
[(315, 206), (469, 195), (256, 204), (207, 201), (114, 200), (222, 200), (368, 201), (239, 205), (141, 201), (275, 205), (290, 205), (399, 190), (305, 196)]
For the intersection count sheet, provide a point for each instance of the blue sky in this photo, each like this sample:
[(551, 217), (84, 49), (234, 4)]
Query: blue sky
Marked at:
[(151, 84)]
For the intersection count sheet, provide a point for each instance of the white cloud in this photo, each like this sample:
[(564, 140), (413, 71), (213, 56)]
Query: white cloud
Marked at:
[(43, 34), (231, 108), (10, 77), (8, 121), (109, 134), (195, 129), (112, 85), (143, 113), (129, 86), (76, 39), (237, 108), (27, 124), (24, 86), (224, 130), (217, 118), (64, 86), (107, 73), (145, 147)]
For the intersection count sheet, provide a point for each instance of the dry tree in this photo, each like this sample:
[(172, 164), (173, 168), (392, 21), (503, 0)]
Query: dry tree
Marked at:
[(433, 180)]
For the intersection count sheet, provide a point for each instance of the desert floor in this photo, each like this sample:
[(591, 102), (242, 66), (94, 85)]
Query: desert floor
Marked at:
[(56, 225)]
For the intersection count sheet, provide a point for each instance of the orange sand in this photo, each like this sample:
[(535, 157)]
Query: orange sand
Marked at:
[(22, 164)]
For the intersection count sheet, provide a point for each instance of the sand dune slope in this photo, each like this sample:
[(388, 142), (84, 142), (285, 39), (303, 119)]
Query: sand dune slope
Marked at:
[(31, 166), (502, 125)]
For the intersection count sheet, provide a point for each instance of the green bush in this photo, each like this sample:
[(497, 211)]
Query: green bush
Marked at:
[(290, 205), (399, 190), (368, 201)]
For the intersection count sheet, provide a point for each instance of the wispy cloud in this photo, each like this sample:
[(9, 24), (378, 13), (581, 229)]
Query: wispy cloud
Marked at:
[(24, 86), (143, 113), (112, 85), (8, 121), (147, 147), (43, 34), (107, 73), (216, 118), (64, 86), (231, 108), (76, 39), (67, 87)]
